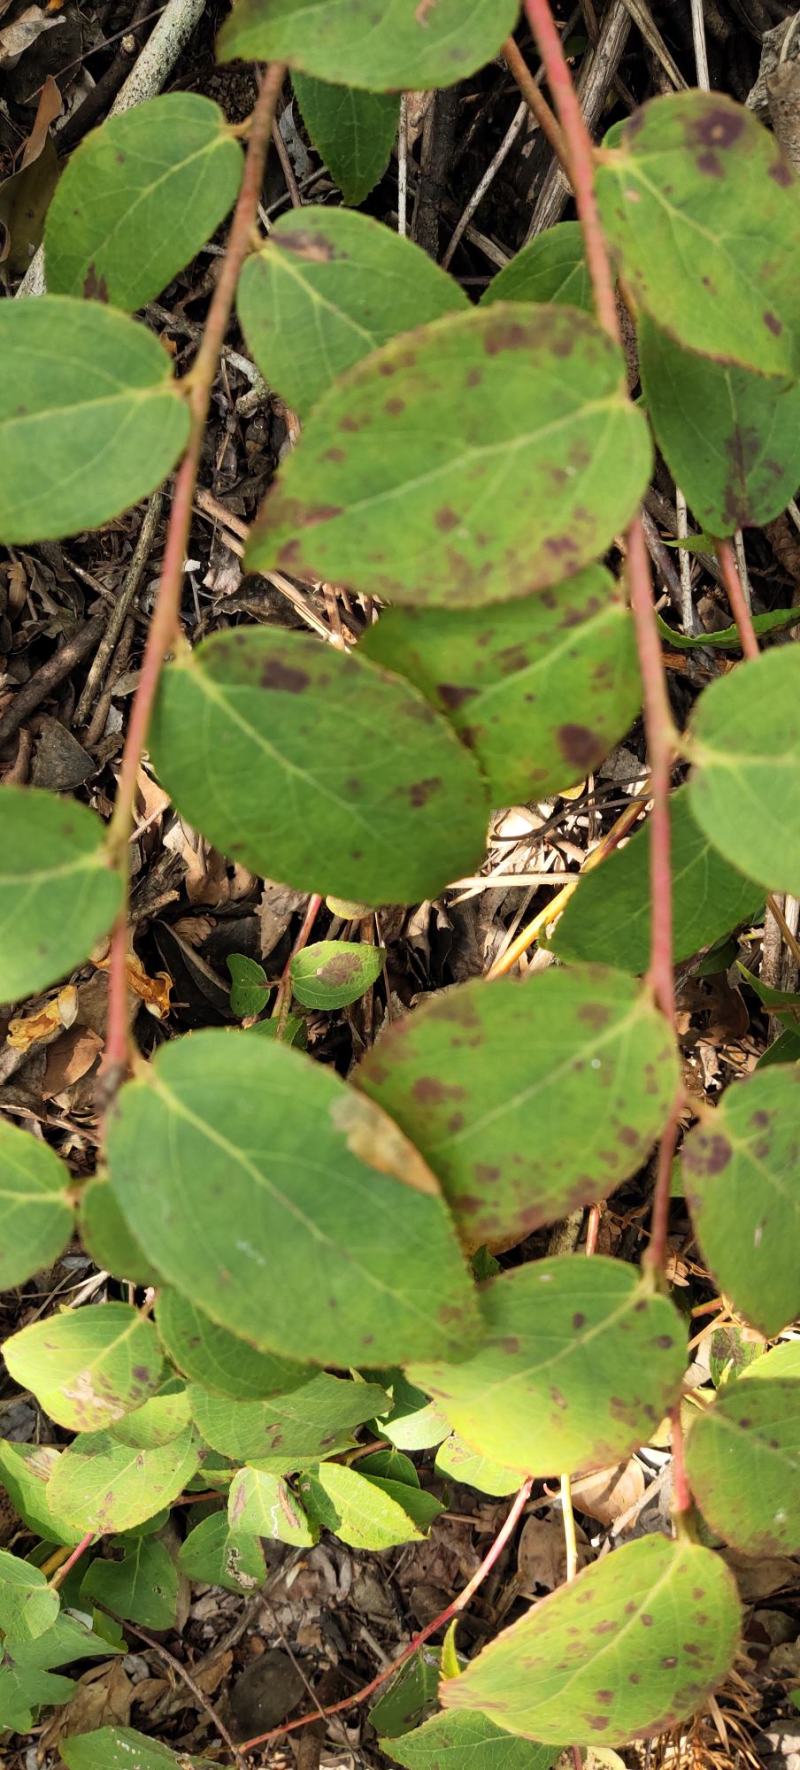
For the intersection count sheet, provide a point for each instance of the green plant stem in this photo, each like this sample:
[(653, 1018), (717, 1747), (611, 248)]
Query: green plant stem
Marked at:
[(460, 1603), (164, 624), (737, 599)]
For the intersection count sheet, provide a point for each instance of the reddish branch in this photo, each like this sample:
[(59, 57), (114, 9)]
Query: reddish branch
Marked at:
[(734, 591)]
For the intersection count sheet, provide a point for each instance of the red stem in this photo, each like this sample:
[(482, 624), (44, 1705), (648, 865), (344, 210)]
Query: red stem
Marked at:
[(66, 1566), (458, 1604), (734, 591), (681, 1491)]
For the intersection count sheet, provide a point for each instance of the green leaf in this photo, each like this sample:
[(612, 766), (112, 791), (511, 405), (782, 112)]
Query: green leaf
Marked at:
[(390, 1465), (317, 768), (348, 42), (107, 1238), (782, 1361), (291, 1031), (25, 1683), (464, 1741), (264, 1505), (745, 787), (786, 1049), (220, 1556), (527, 1099), (58, 895), (25, 1471), (308, 1423), (743, 1463), (27, 1605), (101, 424), (360, 1512), (422, 1507), (414, 1423), (328, 288), (87, 1367), (142, 1587), (334, 972), (121, 1748), (36, 1217), (476, 459), (577, 1368), (404, 1701), (455, 1459), (250, 991), (161, 1420), (552, 267), (540, 689), (104, 1486), (730, 437), (218, 1360), (353, 132), (728, 638), (741, 1168), (216, 1157), (701, 211), (608, 919), (783, 1004), (138, 198), (634, 1644)]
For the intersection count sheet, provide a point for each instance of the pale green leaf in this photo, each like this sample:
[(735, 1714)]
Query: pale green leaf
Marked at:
[(414, 1423), (527, 1099), (317, 768), (138, 198), (219, 1556), (478, 458), (297, 1211), (745, 787), (578, 1366), (90, 419), (87, 1367), (104, 1486), (360, 1512), (107, 1238), (326, 289), (467, 1741), (634, 1644), (142, 1587), (217, 1359), (390, 1465), (353, 132), (27, 1604), (332, 973), (781, 1361), (402, 45), (552, 267), (455, 1459), (741, 1168), (36, 1217), (308, 1423), (58, 894), (743, 1465), (540, 689), (159, 1421), (25, 1471), (264, 1505)]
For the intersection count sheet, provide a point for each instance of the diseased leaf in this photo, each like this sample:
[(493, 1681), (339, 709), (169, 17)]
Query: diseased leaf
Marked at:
[(608, 919), (631, 1646), (744, 790), (478, 458), (100, 424), (104, 1486), (540, 689), (402, 46), (741, 1168), (303, 1426), (106, 1236), (58, 894), (220, 1556), (353, 132), (743, 1463), (36, 1216), (142, 1587), (730, 437), (329, 287), (87, 1367), (25, 1471), (576, 1369), (264, 1505), (527, 1099), (359, 1511), (455, 1459), (216, 1359), (237, 1158), (332, 973), (701, 211), (317, 767), (27, 1604), (161, 1420), (551, 267), (138, 198), (464, 1741)]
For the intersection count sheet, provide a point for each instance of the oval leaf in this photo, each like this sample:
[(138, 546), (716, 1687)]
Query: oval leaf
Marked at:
[(327, 289), (120, 1748), (223, 1557), (455, 1459), (473, 460), (143, 1586), (743, 1463), (334, 972), (464, 1740), (36, 1217), (540, 689), (216, 1359), (87, 1367), (25, 1471), (745, 788), (401, 46), (104, 1486), (216, 1161), (527, 1098), (357, 1510), (552, 267), (632, 1646), (27, 1604), (138, 198), (265, 1505), (352, 131), (574, 1371), (58, 895), (317, 768), (302, 1426), (101, 424), (702, 212), (741, 1171), (608, 919)]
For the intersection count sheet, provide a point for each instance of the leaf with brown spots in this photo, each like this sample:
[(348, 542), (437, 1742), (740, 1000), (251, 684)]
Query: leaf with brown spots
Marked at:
[(296, 1429), (543, 1396), (475, 459), (383, 45), (87, 1367), (527, 1099), (332, 973), (744, 791), (741, 1178), (509, 677), (743, 1464), (104, 1486), (702, 214), (615, 1655), (464, 1741)]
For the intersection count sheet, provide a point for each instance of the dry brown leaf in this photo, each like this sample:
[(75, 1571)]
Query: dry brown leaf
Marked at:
[(46, 1023), (153, 991), (607, 1493), (542, 1556), (103, 1699), (760, 1576), (22, 32), (69, 1058)]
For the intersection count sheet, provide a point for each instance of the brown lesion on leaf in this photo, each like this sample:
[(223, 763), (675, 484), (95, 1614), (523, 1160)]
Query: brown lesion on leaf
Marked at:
[(446, 519), (421, 791), (315, 248), (95, 288), (708, 1155), (283, 677), (579, 746), (454, 694)]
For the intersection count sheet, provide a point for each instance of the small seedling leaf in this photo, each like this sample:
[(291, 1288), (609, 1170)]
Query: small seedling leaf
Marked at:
[(353, 132), (332, 973), (250, 991)]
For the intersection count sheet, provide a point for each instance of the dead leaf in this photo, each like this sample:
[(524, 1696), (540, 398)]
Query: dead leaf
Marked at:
[(22, 32), (46, 1023), (542, 1556), (69, 1058), (371, 1135), (103, 1699), (607, 1493), (154, 992), (759, 1576)]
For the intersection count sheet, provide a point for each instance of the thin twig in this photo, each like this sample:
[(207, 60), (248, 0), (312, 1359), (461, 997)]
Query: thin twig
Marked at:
[(119, 609), (570, 1538), (485, 182), (737, 599), (402, 167), (237, 1752), (529, 86)]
